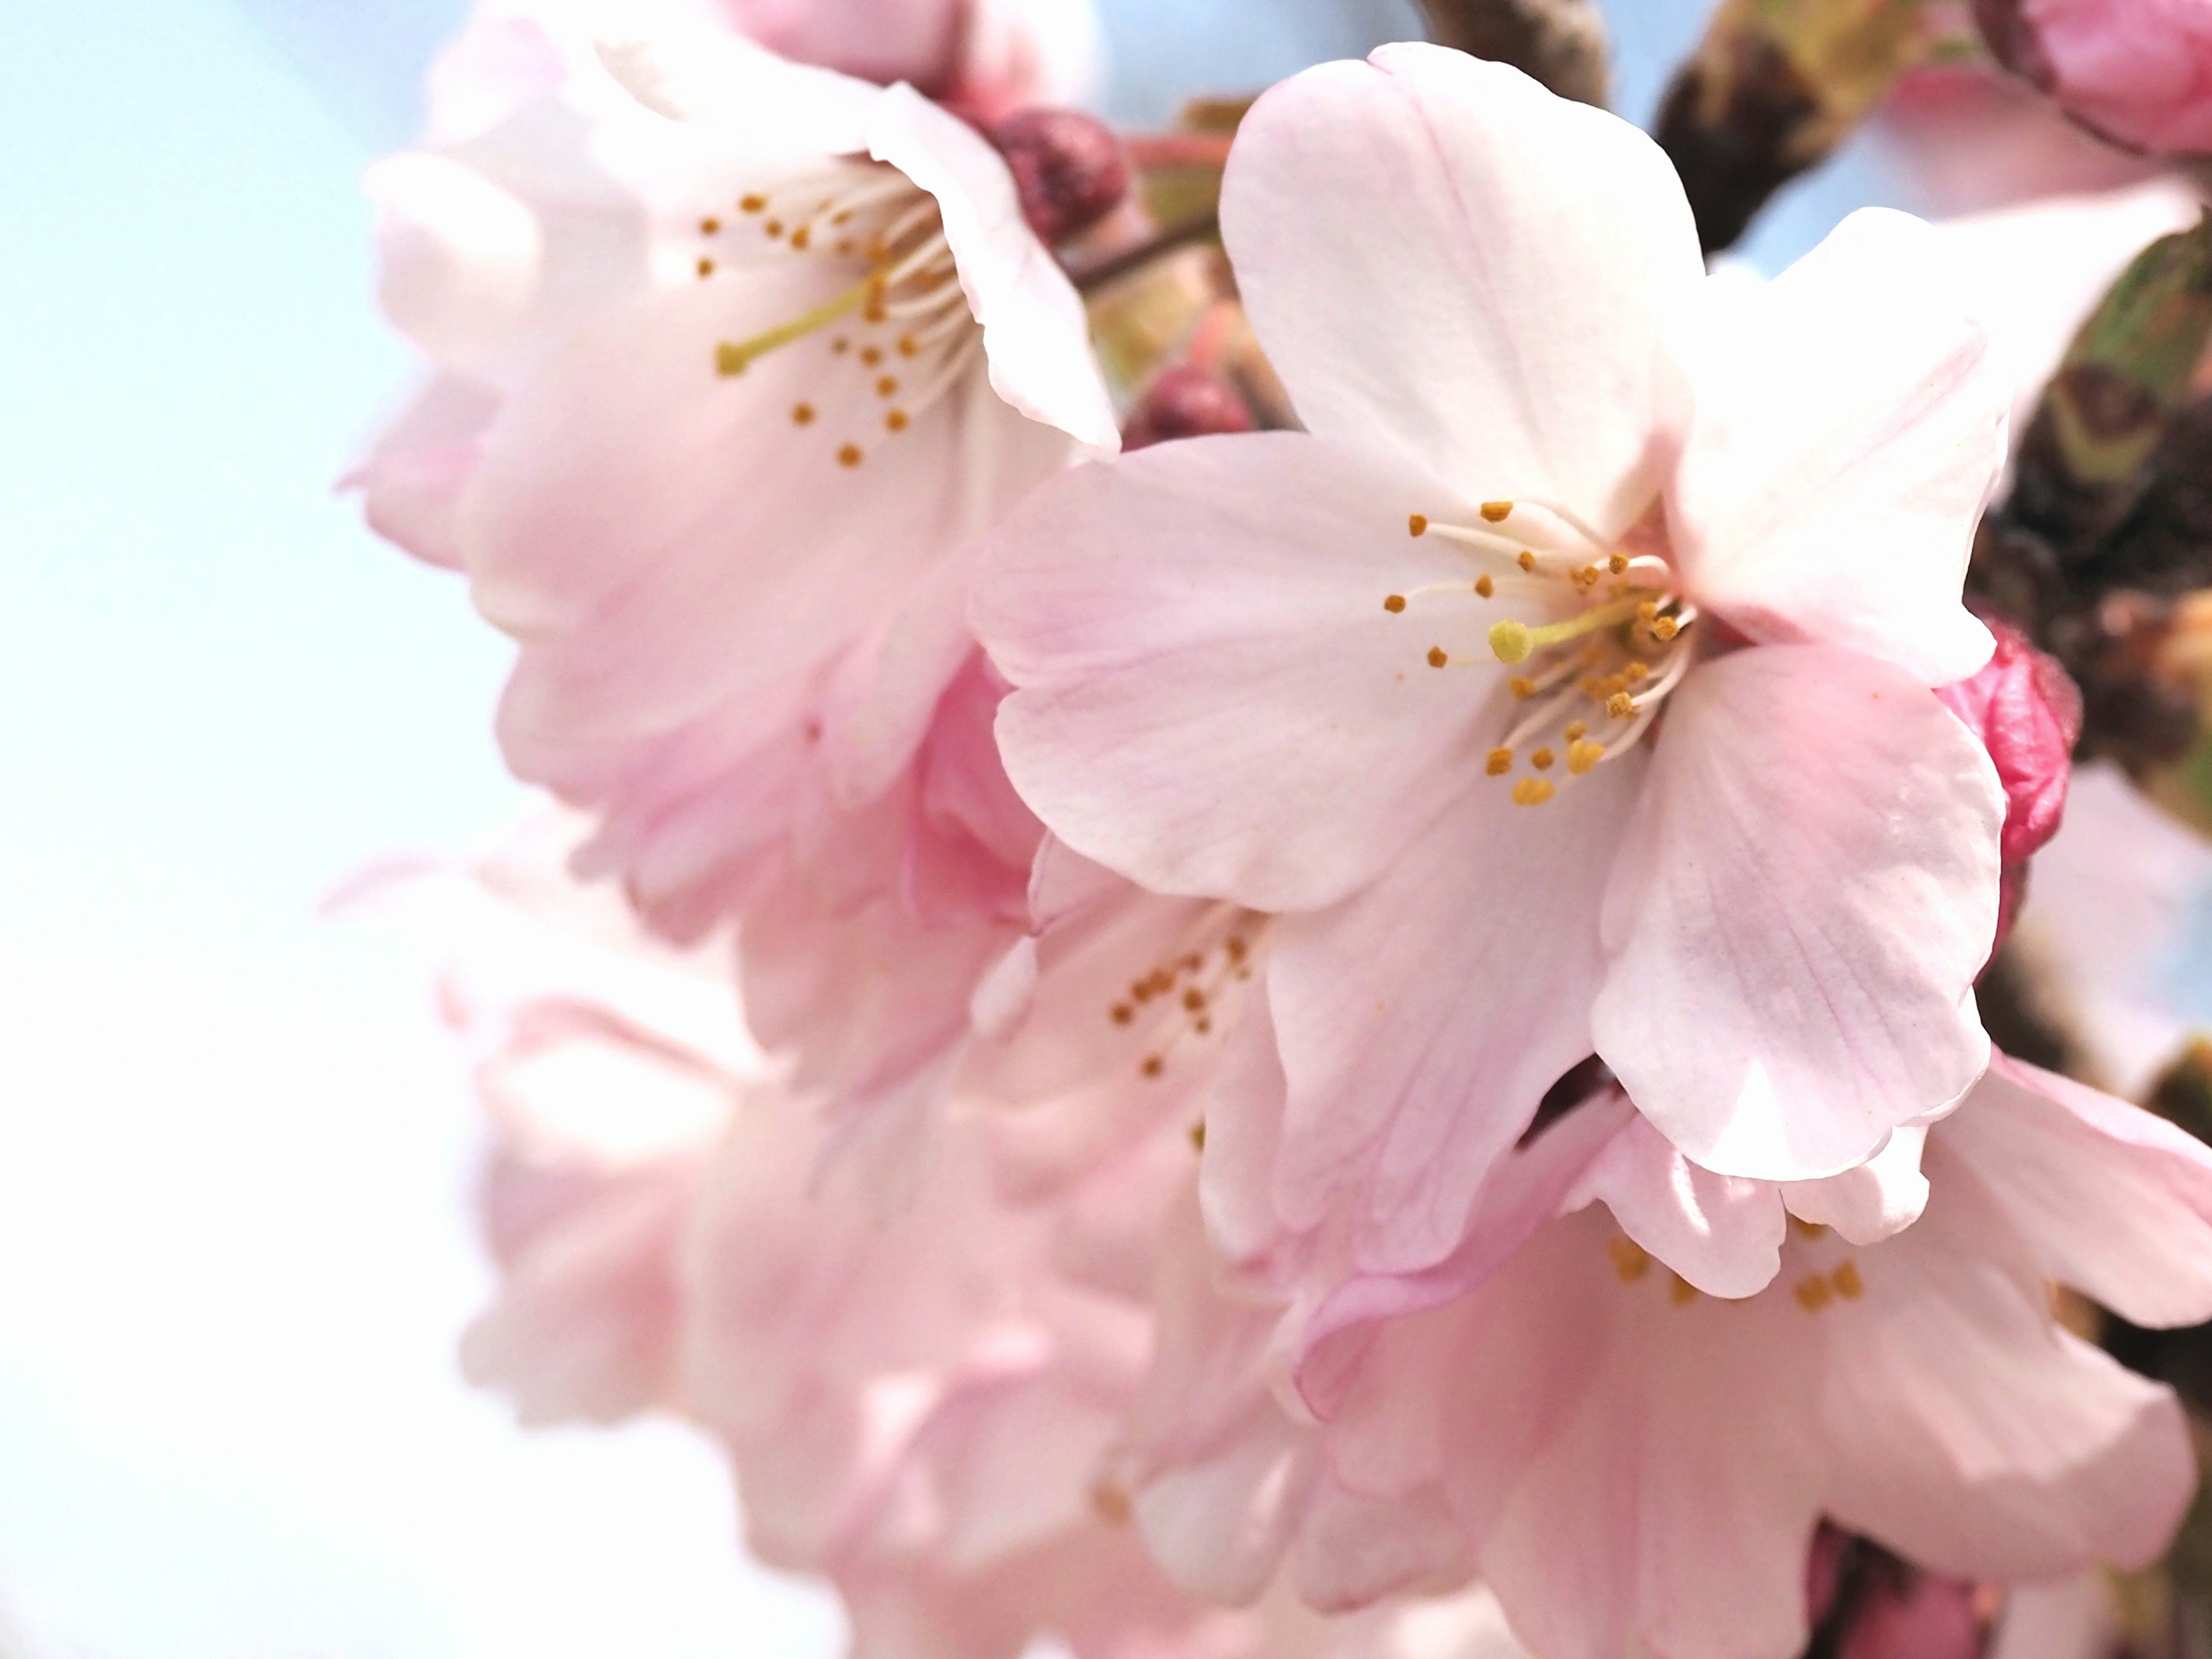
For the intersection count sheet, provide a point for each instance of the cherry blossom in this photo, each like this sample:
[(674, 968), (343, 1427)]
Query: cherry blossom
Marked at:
[(1629, 744), (1633, 1462)]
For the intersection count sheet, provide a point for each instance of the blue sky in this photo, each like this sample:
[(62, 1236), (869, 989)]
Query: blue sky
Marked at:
[(232, 1145)]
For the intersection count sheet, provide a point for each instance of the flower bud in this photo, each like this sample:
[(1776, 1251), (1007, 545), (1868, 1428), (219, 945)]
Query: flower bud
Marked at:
[(2027, 713), (2139, 73), (1185, 401), (1068, 168)]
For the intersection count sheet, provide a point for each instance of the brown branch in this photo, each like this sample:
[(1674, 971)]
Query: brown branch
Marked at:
[(1561, 43)]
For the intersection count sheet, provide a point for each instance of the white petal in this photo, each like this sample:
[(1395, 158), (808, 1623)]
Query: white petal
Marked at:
[(1847, 425), (1446, 262), (1035, 331)]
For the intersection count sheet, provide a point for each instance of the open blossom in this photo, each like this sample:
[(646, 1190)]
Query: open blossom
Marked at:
[(1568, 688), (1637, 1467), (2139, 71), (739, 357)]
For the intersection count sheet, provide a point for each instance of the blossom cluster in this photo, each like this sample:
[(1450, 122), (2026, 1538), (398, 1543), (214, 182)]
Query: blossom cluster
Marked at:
[(1353, 1032)]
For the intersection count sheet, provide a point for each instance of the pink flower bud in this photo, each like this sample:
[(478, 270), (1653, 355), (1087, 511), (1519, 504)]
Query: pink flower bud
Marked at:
[(1908, 1614), (2026, 713), (1067, 167), (1185, 401), (2139, 71)]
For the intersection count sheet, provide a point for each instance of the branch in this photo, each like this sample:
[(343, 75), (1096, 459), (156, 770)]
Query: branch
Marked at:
[(1559, 42)]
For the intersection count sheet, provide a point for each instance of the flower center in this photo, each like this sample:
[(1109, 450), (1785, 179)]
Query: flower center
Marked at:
[(895, 315), (1818, 1271), (1181, 998), (1592, 677)]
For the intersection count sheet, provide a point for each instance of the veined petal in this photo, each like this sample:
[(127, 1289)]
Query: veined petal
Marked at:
[(1847, 423), (667, 541), (2117, 1201), (1799, 913), (1035, 331), (1970, 1432), (1881, 1197), (1446, 262), (1721, 1233), (1210, 697), (1423, 1018)]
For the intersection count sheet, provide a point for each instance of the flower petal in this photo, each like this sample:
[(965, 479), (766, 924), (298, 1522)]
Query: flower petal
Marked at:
[(1799, 913), (2117, 1201), (1446, 262), (1971, 1434), (1210, 695), (1721, 1233), (1423, 1018), (1881, 1198), (1034, 328), (1847, 424)]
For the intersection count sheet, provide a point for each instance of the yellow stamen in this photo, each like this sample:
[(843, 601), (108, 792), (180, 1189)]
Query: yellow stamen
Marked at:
[(731, 359), (1417, 524), (1581, 757), (1576, 730), (1527, 560), (1665, 630), (1393, 603), (895, 420), (1621, 705), (1617, 563), (1512, 641), (1436, 657), (1541, 760), (1629, 1260), (849, 455), (1521, 687), (1532, 791), (1496, 511), (1847, 1281), (1812, 1294), (1500, 763), (802, 414), (1683, 1292), (1484, 586)]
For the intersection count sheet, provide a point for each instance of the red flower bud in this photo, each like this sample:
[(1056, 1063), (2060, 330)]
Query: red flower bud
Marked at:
[(1185, 401), (1068, 168), (2027, 713)]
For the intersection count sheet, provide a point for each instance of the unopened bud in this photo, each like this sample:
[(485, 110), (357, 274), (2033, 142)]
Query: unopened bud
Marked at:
[(2126, 68), (1185, 401), (2027, 713), (1069, 169), (1906, 1614)]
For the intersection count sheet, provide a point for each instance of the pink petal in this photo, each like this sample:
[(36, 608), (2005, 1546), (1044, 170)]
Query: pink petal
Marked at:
[(1447, 263), (1973, 1435), (2117, 1201), (1210, 697), (1799, 913), (1879, 1198), (1423, 1018), (1034, 328), (1721, 1233), (1847, 425), (412, 478)]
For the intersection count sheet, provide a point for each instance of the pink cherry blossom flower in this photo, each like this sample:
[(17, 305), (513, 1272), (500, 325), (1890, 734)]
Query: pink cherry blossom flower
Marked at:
[(1637, 1465), (763, 357), (1705, 817), (2139, 71)]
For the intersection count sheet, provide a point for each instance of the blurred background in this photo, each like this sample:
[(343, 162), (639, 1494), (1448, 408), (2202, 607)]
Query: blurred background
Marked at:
[(235, 1143)]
